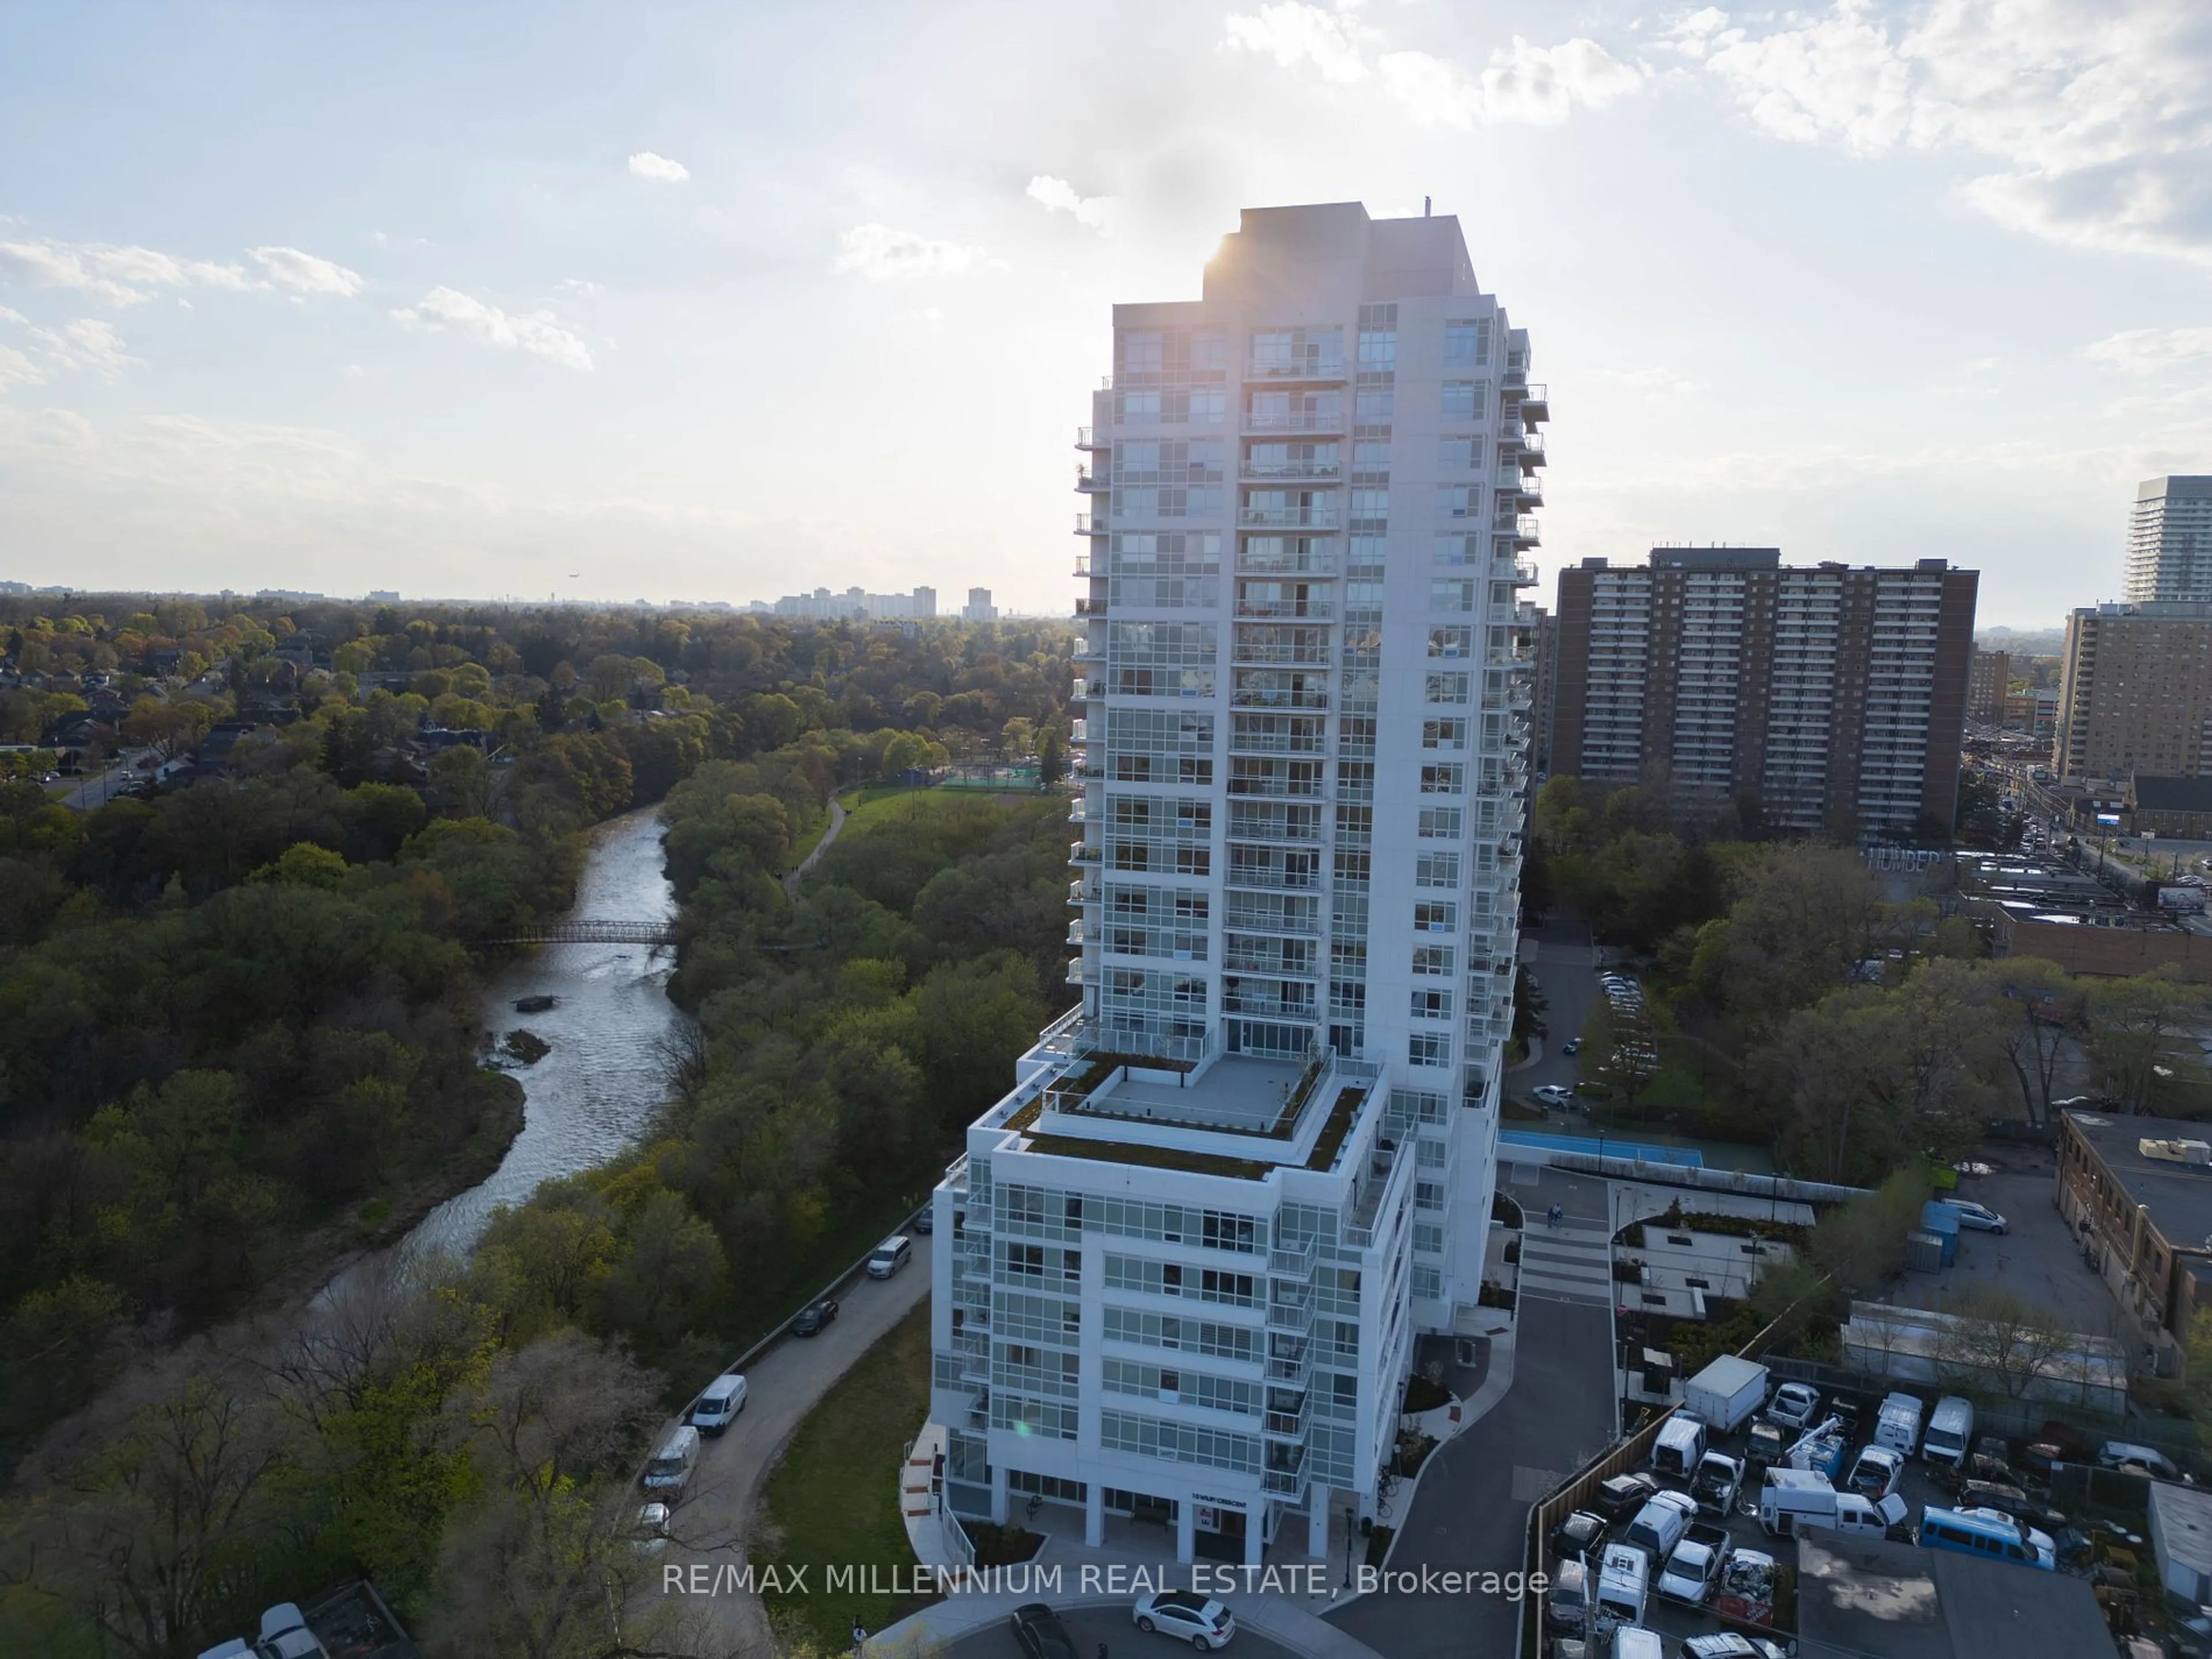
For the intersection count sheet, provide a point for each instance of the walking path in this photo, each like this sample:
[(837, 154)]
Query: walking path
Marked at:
[(793, 877), (1569, 1262)]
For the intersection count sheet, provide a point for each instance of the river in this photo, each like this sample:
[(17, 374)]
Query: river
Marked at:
[(595, 1092)]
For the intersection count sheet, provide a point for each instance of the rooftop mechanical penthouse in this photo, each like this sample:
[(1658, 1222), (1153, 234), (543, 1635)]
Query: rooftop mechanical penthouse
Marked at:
[(1182, 1267)]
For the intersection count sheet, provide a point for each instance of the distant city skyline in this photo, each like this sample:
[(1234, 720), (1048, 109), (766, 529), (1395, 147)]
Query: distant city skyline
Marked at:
[(325, 297)]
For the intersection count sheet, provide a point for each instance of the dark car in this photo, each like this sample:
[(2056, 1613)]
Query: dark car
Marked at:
[(815, 1317), (1623, 1495), (2010, 1500), (1577, 1535), (1042, 1635), (2054, 1442), (924, 1222)]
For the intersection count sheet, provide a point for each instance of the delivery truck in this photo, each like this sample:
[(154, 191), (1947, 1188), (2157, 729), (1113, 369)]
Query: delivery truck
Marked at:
[(1726, 1393)]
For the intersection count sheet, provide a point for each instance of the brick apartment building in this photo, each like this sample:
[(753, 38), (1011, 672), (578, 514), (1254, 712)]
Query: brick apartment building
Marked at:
[(1835, 695)]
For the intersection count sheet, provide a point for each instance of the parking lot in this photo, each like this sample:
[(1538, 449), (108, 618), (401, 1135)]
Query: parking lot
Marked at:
[(2037, 1259), (1673, 1620)]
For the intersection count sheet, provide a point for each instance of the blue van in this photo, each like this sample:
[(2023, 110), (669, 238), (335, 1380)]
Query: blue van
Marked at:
[(1990, 1534)]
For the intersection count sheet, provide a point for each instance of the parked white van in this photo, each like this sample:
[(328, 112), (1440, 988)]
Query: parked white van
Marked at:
[(1950, 1434), (718, 1405), (890, 1256), (1634, 1642), (1896, 1424), (670, 1470), (1680, 1443), (1623, 1581)]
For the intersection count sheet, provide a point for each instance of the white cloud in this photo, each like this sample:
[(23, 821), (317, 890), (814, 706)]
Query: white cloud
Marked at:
[(1058, 196), (540, 333), (121, 275), (16, 370), (1521, 82), (658, 168), (1292, 34), (882, 254), (305, 273), (2098, 118), (88, 345), (579, 289), (2147, 350), (1658, 385)]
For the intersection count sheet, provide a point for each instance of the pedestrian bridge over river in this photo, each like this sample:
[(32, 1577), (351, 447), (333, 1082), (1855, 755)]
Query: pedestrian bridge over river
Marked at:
[(585, 931)]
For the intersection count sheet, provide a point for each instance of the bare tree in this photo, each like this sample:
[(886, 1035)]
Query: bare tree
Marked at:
[(537, 1566), (152, 1528), (2000, 1338)]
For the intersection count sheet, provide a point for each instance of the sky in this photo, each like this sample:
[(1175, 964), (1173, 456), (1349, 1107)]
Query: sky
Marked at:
[(616, 301)]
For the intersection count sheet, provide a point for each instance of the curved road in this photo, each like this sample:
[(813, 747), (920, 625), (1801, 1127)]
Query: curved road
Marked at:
[(715, 1521), (793, 877)]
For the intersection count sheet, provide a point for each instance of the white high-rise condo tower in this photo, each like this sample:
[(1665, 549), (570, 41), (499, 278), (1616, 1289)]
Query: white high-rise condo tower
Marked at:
[(2170, 539), (1182, 1268)]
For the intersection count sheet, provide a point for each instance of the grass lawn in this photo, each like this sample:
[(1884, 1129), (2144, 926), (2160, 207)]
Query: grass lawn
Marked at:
[(835, 1499)]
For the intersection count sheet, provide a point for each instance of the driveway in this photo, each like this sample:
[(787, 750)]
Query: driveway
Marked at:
[(1470, 1511), (715, 1522), (1564, 964)]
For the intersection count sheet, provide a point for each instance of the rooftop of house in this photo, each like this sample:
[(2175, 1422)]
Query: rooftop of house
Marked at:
[(2178, 1193)]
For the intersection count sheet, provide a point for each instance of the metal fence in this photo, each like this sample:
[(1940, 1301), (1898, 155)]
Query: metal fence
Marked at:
[(1620, 1457), (1693, 1176)]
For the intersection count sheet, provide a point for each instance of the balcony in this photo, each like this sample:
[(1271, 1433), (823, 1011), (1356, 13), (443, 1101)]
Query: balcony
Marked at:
[(1526, 530), (1290, 471), (1090, 524), (1090, 479), (1075, 933), (1310, 367), (1280, 656), (1535, 405), (1295, 518), (1531, 490), (1288, 1423), (1090, 607), (1287, 610), (1075, 973), (1295, 420), (1295, 1259), (1082, 892), (1256, 697), (1250, 562), (1083, 565), (1087, 438), (1083, 852), (1532, 450)]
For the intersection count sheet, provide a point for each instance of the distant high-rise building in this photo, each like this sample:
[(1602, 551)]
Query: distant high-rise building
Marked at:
[(1834, 697), (2135, 692), (1988, 677), (1183, 1265), (979, 607), (2170, 540), (855, 604)]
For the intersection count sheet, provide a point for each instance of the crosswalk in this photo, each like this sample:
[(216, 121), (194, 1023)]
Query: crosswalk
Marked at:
[(1570, 1262)]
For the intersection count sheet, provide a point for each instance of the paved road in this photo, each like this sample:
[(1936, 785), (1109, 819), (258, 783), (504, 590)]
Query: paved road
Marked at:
[(92, 791), (1108, 1633), (716, 1517), (792, 877), (1471, 1507), (1564, 968)]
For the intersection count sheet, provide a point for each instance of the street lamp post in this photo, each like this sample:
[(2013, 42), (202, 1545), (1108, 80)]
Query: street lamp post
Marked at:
[(1350, 1528)]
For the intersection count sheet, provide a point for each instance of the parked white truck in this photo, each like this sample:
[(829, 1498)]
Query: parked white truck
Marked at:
[(1726, 1392), (1790, 1500)]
